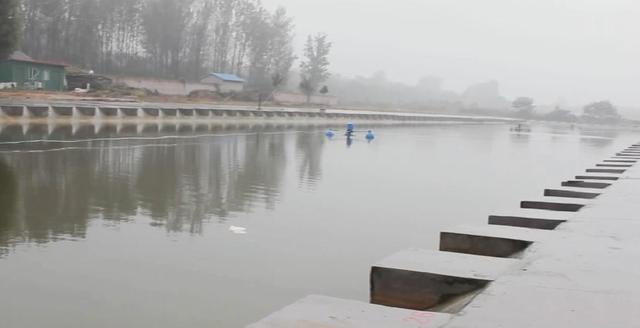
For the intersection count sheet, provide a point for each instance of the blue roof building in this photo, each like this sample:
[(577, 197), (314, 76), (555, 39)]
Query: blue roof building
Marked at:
[(225, 83)]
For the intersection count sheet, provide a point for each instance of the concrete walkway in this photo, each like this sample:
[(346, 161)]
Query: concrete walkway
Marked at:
[(569, 266), (584, 274)]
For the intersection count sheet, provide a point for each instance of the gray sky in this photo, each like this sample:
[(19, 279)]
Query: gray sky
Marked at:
[(573, 50)]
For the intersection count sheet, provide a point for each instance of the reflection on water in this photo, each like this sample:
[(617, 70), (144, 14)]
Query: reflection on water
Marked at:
[(130, 224), (179, 181)]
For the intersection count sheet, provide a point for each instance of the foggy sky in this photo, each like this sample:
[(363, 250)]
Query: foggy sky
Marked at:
[(572, 51)]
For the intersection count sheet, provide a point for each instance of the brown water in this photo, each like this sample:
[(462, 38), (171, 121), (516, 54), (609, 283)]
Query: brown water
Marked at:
[(119, 228)]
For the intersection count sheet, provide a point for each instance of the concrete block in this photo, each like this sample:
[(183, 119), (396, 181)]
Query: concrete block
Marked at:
[(597, 177), (421, 279), (614, 171), (555, 204), (626, 155), (570, 193), (525, 222), (614, 165), (489, 240), (327, 312), (585, 184)]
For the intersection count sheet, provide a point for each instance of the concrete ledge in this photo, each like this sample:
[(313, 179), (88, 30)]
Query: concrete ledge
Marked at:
[(620, 161), (490, 240), (525, 222), (624, 155), (327, 312), (585, 184), (614, 165), (555, 204), (421, 279), (614, 171), (597, 177), (565, 193)]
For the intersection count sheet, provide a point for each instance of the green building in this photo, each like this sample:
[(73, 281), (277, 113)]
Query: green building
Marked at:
[(28, 73)]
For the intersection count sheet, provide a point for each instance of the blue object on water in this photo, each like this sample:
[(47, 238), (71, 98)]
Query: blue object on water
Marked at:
[(370, 136), (350, 127), (330, 133)]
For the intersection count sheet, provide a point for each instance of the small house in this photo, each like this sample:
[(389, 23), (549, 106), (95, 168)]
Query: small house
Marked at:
[(224, 83), (26, 73)]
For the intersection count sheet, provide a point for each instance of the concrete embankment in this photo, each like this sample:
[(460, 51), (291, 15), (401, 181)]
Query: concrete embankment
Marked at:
[(85, 111), (568, 259)]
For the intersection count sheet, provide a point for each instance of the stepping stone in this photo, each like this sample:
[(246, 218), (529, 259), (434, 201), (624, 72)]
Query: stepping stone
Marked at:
[(601, 177), (614, 171), (327, 312), (530, 218), (614, 165), (571, 192), (489, 240), (585, 184), (555, 204), (421, 279)]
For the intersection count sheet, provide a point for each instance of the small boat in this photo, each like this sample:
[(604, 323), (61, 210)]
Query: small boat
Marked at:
[(521, 128)]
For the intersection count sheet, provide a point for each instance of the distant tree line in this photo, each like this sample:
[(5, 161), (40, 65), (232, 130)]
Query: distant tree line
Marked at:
[(599, 112), (180, 39)]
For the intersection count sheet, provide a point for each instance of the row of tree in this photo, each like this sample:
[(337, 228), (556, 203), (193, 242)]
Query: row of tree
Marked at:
[(595, 112), (179, 39)]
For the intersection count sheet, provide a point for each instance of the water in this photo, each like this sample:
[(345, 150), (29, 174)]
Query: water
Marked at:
[(121, 229)]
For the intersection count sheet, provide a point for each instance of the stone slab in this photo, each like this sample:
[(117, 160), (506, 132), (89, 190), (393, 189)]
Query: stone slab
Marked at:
[(423, 279), (489, 240), (327, 312)]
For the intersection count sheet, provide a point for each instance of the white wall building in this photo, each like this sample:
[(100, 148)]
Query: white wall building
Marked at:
[(224, 83)]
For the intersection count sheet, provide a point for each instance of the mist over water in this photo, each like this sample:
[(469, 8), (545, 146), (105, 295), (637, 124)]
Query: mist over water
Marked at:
[(133, 231)]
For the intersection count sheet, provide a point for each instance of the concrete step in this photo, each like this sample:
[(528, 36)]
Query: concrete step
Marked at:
[(630, 161), (627, 155), (422, 279), (601, 170), (530, 218), (600, 177), (585, 184), (562, 204), (611, 165), (321, 311), (489, 240), (571, 192)]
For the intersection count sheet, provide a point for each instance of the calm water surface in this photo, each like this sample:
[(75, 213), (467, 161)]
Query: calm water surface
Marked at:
[(122, 229)]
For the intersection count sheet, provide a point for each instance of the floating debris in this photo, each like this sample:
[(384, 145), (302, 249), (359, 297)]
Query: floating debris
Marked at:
[(238, 230)]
